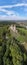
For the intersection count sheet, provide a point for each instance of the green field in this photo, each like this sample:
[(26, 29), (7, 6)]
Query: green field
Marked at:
[(22, 34)]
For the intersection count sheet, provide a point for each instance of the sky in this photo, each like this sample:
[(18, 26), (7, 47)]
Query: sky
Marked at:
[(13, 9)]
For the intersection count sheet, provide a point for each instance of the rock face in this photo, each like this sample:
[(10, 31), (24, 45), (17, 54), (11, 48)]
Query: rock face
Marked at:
[(26, 27), (13, 28)]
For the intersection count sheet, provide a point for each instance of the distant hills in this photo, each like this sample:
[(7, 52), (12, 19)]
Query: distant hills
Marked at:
[(12, 21)]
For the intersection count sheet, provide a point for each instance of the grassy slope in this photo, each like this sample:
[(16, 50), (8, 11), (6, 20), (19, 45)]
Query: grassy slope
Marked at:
[(22, 35)]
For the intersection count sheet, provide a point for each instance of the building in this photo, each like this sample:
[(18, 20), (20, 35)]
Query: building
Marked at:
[(13, 28)]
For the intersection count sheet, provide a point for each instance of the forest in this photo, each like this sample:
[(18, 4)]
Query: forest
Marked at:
[(12, 52)]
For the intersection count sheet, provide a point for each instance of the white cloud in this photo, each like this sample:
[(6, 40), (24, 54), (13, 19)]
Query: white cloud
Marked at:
[(15, 5), (13, 17), (11, 14), (7, 11), (2, 8)]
